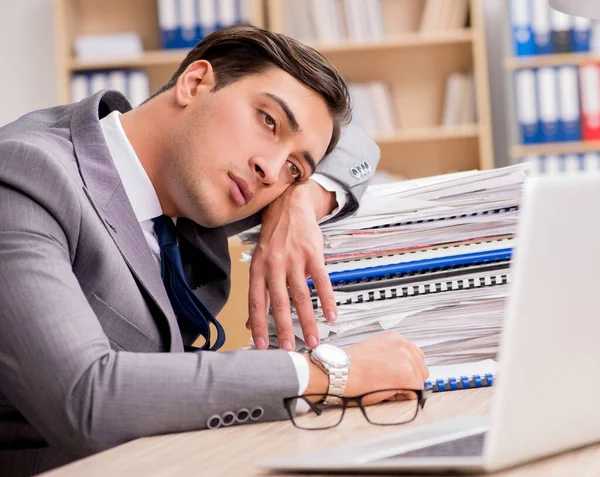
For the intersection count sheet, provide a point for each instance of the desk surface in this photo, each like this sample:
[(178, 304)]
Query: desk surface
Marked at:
[(236, 451)]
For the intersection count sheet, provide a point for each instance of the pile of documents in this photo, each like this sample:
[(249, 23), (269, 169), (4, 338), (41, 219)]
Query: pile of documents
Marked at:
[(428, 258)]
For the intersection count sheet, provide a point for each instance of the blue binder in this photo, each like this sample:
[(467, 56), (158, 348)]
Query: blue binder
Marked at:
[(569, 117), (527, 106), (581, 33), (540, 22), (522, 33), (418, 266)]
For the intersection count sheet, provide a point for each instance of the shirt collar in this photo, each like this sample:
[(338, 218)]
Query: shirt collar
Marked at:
[(137, 184)]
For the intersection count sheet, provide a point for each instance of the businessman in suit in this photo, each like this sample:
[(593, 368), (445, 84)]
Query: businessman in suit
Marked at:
[(101, 290)]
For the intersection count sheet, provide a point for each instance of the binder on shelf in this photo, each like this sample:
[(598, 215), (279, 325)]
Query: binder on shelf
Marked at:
[(590, 100), (117, 80), (548, 104), (561, 31), (188, 23), (522, 32), (571, 163), (590, 162), (228, 13), (170, 32), (98, 81), (207, 17), (552, 164), (540, 23), (581, 33), (526, 105), (569, 115), (139, 87), (79, 87)]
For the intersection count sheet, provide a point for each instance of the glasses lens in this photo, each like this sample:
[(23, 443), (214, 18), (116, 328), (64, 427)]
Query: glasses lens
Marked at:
[(396, 406), (309, 415)]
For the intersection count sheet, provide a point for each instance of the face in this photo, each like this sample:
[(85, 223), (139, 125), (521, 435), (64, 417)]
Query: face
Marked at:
[(234, 151)]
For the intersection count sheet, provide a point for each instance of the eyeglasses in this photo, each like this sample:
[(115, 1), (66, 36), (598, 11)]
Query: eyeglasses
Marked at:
[(310, 413)]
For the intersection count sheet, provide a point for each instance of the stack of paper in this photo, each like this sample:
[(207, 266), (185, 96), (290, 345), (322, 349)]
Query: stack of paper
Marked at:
[(428, 258)]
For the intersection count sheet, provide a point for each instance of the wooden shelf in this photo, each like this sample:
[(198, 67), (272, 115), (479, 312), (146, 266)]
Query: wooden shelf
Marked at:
[(406, 40), (146, 59), (554, 148), (435, 133), (174, 57), (560, 59)]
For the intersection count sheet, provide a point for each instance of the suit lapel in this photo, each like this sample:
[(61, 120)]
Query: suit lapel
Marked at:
[(107, 195)]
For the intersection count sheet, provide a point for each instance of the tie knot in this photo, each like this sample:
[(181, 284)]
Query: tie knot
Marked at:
[(165, 231)]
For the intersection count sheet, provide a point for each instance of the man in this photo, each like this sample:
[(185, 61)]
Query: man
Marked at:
[(92, 340)]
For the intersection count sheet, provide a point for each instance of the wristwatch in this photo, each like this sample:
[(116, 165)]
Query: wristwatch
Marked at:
[(336, 363)]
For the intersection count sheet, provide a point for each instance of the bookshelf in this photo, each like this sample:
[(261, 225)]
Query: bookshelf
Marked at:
[(416, 65), (79, 17), (513, 63)]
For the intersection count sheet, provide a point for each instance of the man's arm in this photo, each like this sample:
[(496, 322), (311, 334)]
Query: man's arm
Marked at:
[(290, 246), (56, 363)]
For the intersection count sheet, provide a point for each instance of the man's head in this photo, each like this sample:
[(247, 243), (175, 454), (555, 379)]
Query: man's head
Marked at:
[(248, 113)]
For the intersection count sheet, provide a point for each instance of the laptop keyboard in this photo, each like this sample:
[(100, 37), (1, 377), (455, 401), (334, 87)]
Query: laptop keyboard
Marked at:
[(465, 447)]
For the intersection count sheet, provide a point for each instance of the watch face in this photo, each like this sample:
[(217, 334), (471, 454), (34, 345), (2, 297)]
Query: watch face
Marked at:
[(332, 355)]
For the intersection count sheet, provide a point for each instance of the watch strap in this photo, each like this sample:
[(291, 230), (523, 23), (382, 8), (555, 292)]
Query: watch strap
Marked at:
[(337, 384)]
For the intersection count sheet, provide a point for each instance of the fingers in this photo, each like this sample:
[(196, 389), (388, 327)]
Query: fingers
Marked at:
[(303, 303), (280, 302), (323, 286), (257, 307)]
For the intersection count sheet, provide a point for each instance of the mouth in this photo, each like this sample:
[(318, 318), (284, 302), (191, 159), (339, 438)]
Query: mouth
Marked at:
[(240, 191)]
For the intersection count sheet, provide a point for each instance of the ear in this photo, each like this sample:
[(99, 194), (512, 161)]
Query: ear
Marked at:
[(198, 78)]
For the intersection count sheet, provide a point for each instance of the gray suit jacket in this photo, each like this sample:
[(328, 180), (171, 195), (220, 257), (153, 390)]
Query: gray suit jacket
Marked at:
[(90, 351), (579, 8)]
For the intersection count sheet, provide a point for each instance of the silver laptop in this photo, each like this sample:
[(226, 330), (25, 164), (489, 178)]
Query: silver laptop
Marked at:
[(546, 393)]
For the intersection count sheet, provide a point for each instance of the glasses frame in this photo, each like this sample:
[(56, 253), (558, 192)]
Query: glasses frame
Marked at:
[(345, 401)]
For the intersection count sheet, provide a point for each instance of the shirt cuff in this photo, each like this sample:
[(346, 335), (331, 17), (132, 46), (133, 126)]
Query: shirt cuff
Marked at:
[(302, 372), (341, 194)]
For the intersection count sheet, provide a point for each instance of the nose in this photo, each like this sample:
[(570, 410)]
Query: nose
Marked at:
[(267, 170)]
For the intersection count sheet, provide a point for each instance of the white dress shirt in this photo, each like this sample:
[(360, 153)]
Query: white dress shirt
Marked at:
[(146, 206)]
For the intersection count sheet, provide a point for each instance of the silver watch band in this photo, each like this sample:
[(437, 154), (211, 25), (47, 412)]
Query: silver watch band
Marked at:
[(337, 385)]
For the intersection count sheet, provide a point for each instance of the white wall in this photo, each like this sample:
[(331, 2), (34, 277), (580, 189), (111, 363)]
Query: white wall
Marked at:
[(27, 69), (495, 12)]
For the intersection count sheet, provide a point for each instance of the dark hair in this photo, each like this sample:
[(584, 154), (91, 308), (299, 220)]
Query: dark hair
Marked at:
[(242, 50)]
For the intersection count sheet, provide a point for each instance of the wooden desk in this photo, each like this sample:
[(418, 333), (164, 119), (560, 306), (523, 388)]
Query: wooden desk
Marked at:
[(236, 451)]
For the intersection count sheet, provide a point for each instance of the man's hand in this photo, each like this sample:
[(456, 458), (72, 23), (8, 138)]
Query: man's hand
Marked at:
[(289, 249), (386, 361)]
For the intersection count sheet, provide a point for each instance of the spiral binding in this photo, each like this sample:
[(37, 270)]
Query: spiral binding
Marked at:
[(464, 382)]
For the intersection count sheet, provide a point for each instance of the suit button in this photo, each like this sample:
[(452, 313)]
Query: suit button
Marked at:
[(243, 415), (257, 413), (214, 422), (228, 418)]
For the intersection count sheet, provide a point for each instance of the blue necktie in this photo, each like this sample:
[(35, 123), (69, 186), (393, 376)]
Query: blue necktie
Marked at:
[(187, 306)]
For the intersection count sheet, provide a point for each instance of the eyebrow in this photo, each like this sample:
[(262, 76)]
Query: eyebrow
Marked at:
[(294, 126)]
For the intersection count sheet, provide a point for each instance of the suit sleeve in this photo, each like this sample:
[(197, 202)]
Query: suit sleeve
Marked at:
[(56, 363)]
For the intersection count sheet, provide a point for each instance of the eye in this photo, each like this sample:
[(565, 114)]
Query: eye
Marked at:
[(294, 170), (269, 121)]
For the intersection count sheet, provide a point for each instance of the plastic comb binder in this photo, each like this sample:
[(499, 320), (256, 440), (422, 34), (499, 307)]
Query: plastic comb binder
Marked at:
[(480, 374)]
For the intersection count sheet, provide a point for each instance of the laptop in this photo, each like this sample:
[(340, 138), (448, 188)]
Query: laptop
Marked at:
[(545, 400)]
